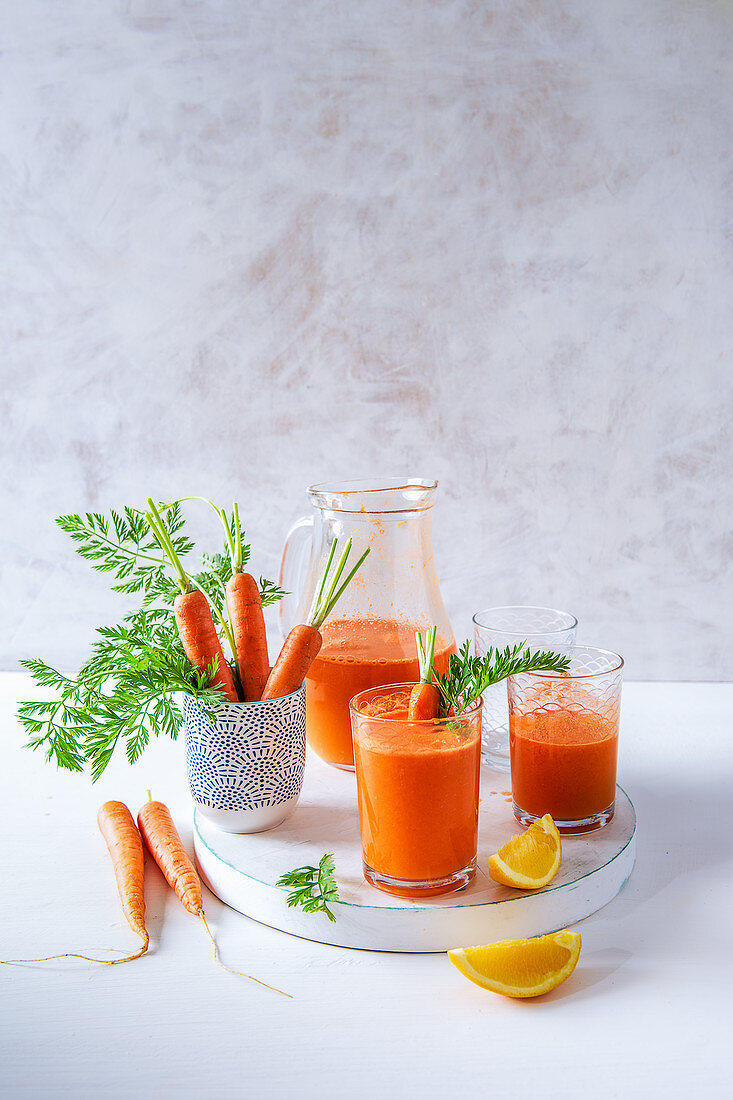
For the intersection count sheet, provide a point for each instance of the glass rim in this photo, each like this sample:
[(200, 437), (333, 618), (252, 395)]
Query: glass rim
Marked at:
[(525, 607), (551, 674), (471, 710), (330, 494)]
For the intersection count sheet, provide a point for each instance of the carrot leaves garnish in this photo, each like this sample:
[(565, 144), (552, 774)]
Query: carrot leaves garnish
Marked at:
[(125, 692), (123, 544), (314, 887), (468, 676), (61, 725)]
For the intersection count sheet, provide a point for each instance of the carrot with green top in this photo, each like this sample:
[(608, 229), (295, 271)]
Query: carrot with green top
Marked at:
[(304, 641), (193, 615), (246, 629), (425, 697), (244, 605)]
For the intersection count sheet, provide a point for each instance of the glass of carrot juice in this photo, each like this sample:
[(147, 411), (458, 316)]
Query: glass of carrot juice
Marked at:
[(417, 786), (563, 740)]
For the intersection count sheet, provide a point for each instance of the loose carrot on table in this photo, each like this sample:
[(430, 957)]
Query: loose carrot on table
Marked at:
[(193, 615), (304, 641), (244, 605), (425, 696), (125, 847), (166, 847)]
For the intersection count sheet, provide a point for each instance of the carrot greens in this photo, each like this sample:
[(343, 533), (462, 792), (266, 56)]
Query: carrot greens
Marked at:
[(314, 887), (125, 692), (468, 676)]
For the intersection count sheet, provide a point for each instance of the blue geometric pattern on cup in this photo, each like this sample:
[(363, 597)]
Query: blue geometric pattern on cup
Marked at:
[(254, 757)]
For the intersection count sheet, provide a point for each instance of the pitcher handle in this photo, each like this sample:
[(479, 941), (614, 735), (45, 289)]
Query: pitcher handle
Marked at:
[(292, 570)]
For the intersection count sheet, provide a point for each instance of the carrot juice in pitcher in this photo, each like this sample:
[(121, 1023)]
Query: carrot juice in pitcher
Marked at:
[(357, 654), (372, 639)]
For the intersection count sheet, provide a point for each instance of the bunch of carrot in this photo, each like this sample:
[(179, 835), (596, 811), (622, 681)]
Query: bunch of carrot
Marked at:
[(125, 845), (246, 628), (164, 844)]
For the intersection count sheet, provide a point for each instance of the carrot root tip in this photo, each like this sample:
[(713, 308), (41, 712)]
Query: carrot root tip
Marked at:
[(238, 973)]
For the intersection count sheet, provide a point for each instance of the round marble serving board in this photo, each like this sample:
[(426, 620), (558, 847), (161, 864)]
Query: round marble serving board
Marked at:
[(241, 869)]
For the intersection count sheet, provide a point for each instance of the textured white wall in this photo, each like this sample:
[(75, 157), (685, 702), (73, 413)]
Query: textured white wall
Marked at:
[(251, 246)]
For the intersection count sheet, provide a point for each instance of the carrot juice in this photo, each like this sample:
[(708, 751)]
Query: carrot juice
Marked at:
[(417, 787), (356, 655), (563, 740), (563, 763)]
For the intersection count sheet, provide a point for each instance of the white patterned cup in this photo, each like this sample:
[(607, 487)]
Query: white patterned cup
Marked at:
[(246, 774)]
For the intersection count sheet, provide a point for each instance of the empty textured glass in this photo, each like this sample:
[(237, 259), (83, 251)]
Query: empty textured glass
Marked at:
[(542, 628)]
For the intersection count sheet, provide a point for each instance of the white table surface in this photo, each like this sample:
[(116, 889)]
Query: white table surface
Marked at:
[(647, 1012)]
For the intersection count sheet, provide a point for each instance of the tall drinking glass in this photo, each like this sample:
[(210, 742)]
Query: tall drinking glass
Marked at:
[(417, 785), (563, 739), (541, 628)]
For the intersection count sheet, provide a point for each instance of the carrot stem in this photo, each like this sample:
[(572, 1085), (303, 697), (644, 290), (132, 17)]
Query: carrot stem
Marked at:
[(237, 552), (159, 530), (186, 582), (425, 654), (324, 577), (304, 641), (425, 697), (222, 517), (334, 582), (344, 584), (324, 605)]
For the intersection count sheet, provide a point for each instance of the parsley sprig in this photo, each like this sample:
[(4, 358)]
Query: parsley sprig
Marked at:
[(314, 887), (125, 692), (468, 676)]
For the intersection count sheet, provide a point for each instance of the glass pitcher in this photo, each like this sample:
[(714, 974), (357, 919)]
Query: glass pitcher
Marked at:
[(370, 638)]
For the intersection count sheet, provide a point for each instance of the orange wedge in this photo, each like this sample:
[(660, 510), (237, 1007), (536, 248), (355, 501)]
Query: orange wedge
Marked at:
[(530, 860), (521, 968)]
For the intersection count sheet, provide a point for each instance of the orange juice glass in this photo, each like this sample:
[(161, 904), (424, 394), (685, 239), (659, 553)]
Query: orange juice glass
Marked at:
[(417, 786), (563, 740)]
